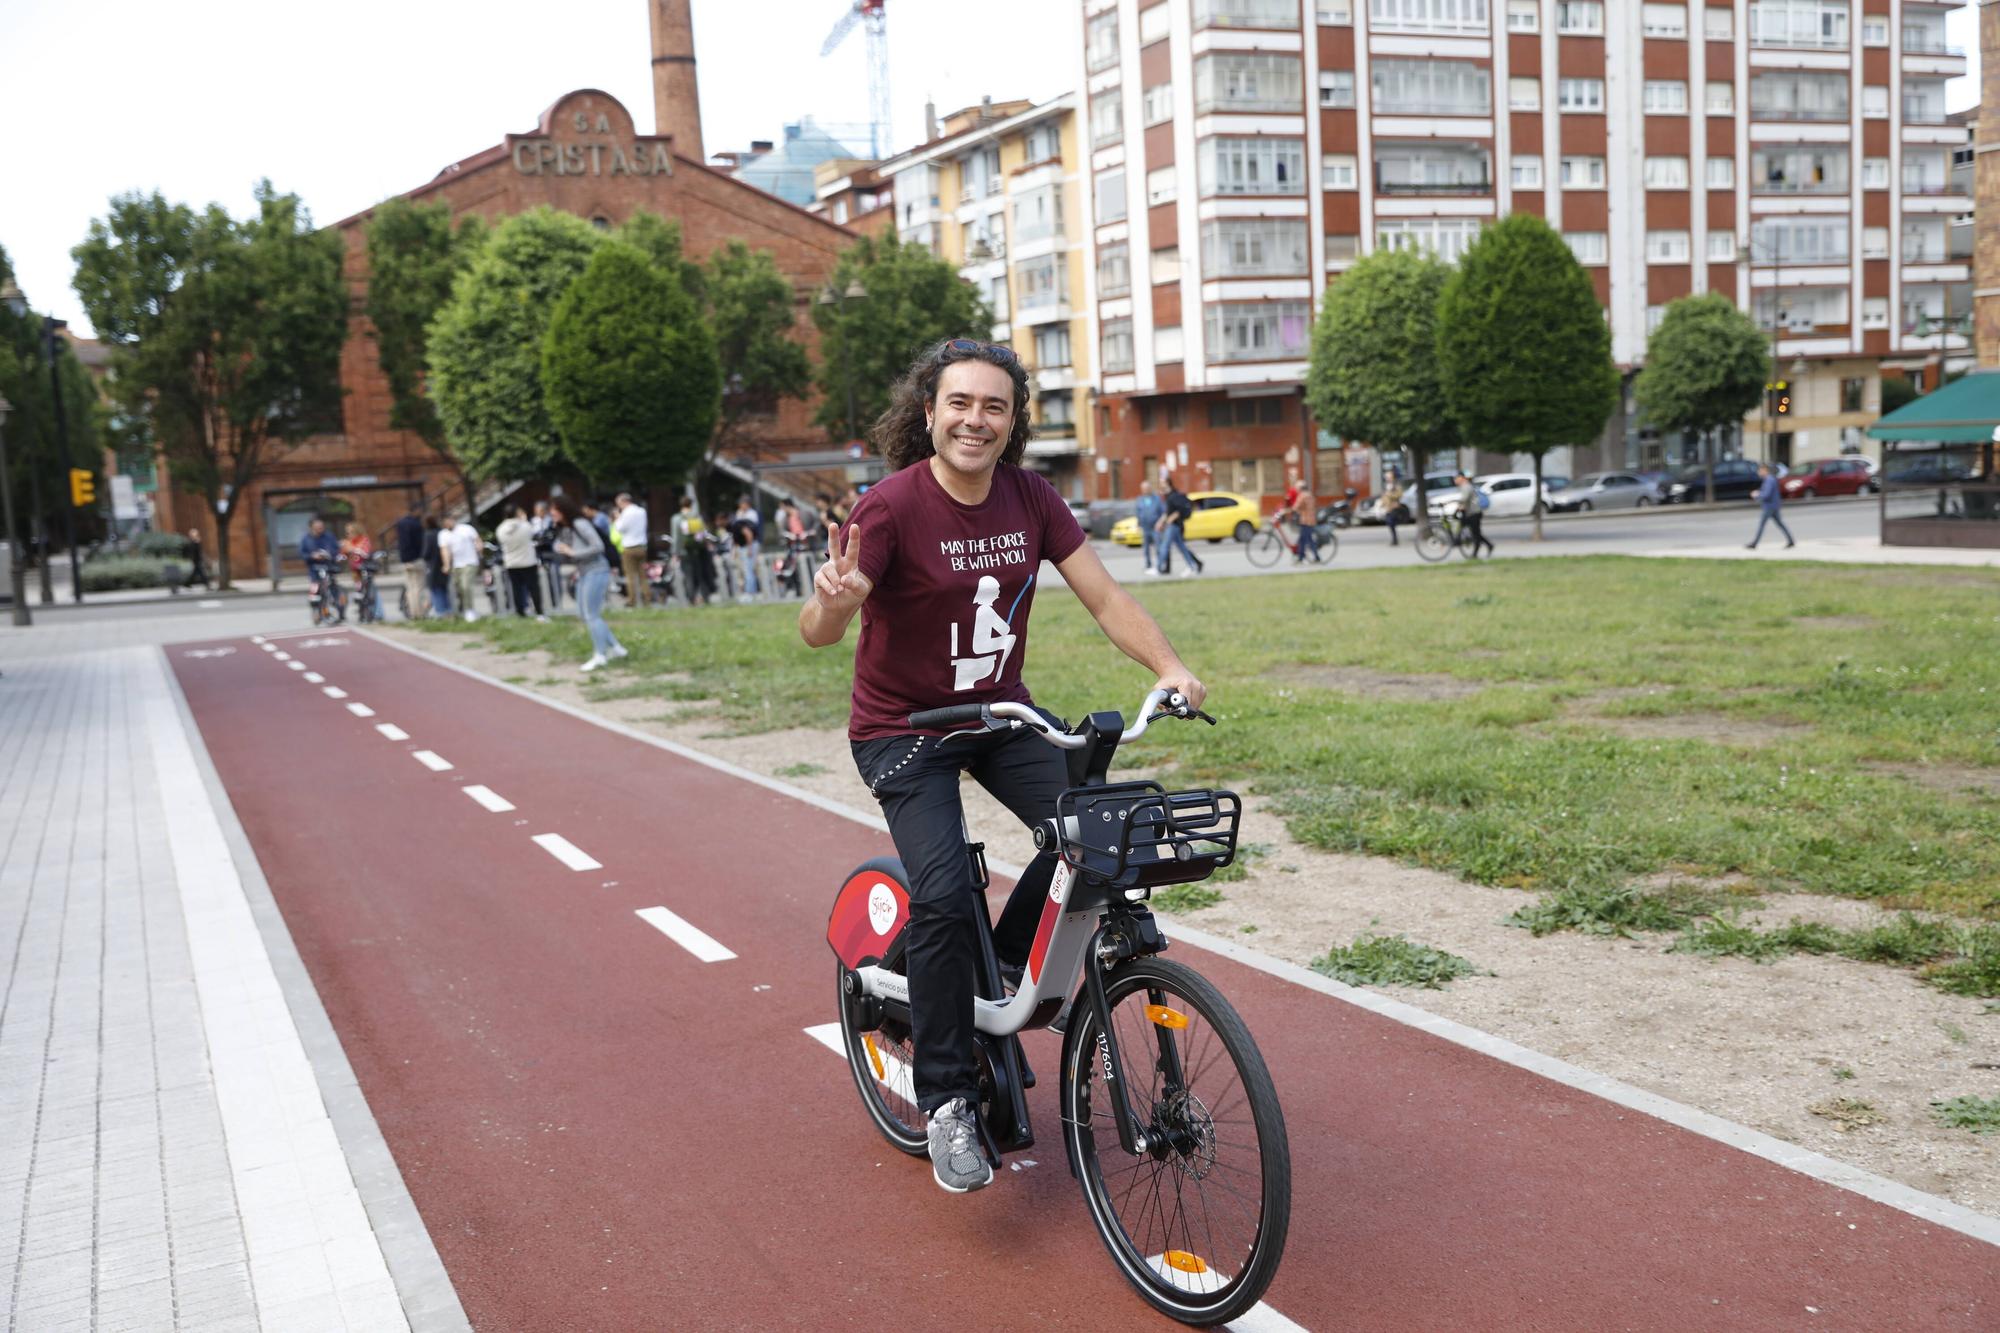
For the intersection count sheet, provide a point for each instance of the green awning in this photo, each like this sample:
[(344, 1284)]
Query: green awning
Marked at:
[(1962, 412)]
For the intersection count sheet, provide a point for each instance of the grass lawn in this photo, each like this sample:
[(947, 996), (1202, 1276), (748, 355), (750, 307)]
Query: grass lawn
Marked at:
[(1545, 724)]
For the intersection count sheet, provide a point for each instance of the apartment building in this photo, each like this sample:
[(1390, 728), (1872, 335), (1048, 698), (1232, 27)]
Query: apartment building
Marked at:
[(998, 194), (1793, 154)]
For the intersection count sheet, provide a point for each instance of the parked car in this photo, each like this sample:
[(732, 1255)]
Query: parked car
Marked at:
[(1105, 513), (1605, 490), (1435, 484), (1827, 476), (1217, 514), (1735, 479), (1508, 495)]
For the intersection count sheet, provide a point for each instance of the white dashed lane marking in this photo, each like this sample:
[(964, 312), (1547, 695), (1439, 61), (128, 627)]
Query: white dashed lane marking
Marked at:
[(392, 731), (361, 710), (296, 665), (282, 657), (314, 678), (563, 850), (334, 692), (489, 798), (432, 760), (688, 937)]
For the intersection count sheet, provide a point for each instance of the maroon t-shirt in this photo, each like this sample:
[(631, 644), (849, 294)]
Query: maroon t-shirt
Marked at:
[(947, 622)]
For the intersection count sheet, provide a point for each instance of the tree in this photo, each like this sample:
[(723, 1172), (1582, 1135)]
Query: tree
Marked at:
[(1706, 367), (414, 255), (486, 343), (1524, 352), (1374, 373), (225, 337), (885, 301), (36, 460), (1898, 391), (629, 373), (750, 308)]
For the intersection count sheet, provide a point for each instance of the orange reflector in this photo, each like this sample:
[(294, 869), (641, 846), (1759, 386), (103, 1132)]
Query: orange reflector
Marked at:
[(1167, 1018), (1184, 1262), (875, 1058)]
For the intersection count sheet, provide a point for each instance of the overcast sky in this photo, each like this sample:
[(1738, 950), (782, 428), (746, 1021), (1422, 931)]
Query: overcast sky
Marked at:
[(349, 103)]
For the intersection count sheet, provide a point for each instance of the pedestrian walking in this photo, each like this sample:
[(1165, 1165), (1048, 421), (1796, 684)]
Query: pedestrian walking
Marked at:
[(602, 522), (1173, 530), (437, 567), (630, 525), (461, 546), (410, 555), (746, 530), (1298, 510), (1471, 516), (697, 570), (1770, 500), (197, 567), (1392, 504), (517, 556), (578, 542), (545, 537), (1147, 515)]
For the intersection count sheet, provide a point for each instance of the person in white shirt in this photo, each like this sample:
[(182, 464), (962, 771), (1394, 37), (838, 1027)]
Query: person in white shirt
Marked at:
[(461, 555), (516, 536), (631, 528)]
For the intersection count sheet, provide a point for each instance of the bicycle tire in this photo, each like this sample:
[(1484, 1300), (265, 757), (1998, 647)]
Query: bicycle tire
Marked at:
[(878, 1058), (1174, 1277), (1265, 548), (1433, 545), (1329, 543)]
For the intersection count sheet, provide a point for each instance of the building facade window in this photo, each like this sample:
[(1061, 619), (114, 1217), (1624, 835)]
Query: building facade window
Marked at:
[(1257, 330), (1447, 238), (1580, 17), (1432, 168), (1160, 186), (1853, 395), (1100, 41), (1874, 102), (1923, 240), (1720, 173), (1793, 95), (1874, 30), (1342, 251), (1052, 345), (1670, 21), (1238, 166), (1583, 173), (1665, 97), (1720, 99), (1254, 248), (1874, 312), (1042, 282), (1166, 264), (1114, 269), (1157, 102), (1167, 344), (1110, 193), (1154, 24), (1043, 142), (1336, 88), (1058, 408), (1799, 169), (1820, 23), (1580, 94), (1722, 247), (1246, 14), (1798, 240), (1524, 94), (1666, 173), (1926, 171), (1524, 15), (1117, 349), (1430, 88), (1107, 118), (1526, 173), (1339, 171), (1874, 173), (1874, 242), (1248, 81), (1667, 247), (1587, 246), (1718, 25), (1427, 15), (1800, 309), (1037, 215), (1334, 13)]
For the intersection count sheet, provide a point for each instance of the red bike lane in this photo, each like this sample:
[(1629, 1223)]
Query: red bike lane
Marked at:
[(601, 1130)]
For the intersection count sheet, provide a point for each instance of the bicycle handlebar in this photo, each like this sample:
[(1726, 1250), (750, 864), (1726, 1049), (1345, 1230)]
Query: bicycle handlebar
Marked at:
[(1158, 704)]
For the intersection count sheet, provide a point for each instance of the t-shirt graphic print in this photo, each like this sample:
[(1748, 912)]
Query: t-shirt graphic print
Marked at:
[(947, 621)]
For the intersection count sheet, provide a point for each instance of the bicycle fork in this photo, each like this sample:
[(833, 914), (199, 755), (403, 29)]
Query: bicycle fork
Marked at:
[(1117, 940)]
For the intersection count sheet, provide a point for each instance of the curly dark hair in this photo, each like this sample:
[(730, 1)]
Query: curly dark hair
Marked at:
[(903, 435)]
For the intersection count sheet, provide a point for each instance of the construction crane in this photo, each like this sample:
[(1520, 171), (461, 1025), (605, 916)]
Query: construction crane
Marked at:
[(872, 18)]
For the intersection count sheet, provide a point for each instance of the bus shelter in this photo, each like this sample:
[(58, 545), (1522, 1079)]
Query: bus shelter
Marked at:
[(1939, 485)]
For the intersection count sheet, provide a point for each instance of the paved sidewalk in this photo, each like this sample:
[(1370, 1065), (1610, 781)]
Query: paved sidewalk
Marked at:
[(181, 1143)]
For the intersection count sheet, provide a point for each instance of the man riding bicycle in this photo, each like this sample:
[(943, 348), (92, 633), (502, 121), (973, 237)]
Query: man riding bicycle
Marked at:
[(941, 559), (320, 549)]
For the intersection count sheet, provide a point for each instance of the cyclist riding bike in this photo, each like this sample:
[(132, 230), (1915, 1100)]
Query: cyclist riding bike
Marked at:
[(940, 560), (320, 549), (1296, 514)]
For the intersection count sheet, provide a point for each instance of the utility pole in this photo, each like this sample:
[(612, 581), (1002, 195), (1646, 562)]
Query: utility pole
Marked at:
[(49, 344)]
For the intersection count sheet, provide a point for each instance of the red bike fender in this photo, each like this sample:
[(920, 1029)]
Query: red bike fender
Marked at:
[(869, 913)]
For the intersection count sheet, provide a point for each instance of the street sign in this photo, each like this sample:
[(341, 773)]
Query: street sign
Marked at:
[(124, 500)]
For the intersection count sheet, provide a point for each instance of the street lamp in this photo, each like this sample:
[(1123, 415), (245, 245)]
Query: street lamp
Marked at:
[(17, 583), (855, 292)]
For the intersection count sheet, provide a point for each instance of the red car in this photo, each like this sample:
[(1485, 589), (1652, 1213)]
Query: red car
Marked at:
[(1827, 476)]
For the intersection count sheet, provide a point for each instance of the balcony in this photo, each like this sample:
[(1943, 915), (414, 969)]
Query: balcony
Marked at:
[(1924, 113), (1769, 113), (1432, 169), (1799, 38), (1246, 14), (1922, 42), (1474, 185)]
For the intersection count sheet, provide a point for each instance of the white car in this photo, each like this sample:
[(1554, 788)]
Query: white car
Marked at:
[(1508, 495)]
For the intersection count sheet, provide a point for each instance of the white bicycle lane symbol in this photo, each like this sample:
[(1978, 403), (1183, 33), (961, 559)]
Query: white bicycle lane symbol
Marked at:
[(208, 652)]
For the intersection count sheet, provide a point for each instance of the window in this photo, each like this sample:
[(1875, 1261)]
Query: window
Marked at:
[(1799, 169), (1044, 142), (1799, 240), (1167, 344), (1667, 173), (1052, 345), (1430, 88), (1874, 102), (1587, 246), (1718, 25), (1246, 14), (1258, 476), (1874, 242), (1100, 41), (1114, 269), (1447, 238), (1160, 186), (1800, 309), (1874, 312), (1721, 99), (1923, 101), (1926, 172), (1667, 247), (1585, 17), (1874, 173), (1524, 15), (1257, 330), (1058, 409), (1665, 21), (1111, 196), (1526, 173), (1037, 216), (1821, 23), (1042, 282), (1339, 171), (1655, 316), (1342, 251), (1235, 166), (1431, 167), (1107, 118), (1524, 94), (1666, 97), (1153, 24), (1853, 395), (1157, 102), (1334, 13), (1117, 353), (1336, 88), (1786, 95), (1427, 15), (996, 296), (1722, 247), (1923, 240), (1583, 173), (1248, 81), (1580, 94), (1253, 247), (1721, 173), (1166, 265), (1874, 30)]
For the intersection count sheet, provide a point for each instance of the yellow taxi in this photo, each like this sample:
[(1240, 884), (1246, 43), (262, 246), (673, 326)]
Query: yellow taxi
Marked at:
[(1217, 515)]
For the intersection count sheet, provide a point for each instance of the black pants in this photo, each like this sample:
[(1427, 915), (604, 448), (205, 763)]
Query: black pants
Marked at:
[(916, 780), (1474, 538), (527, 585)]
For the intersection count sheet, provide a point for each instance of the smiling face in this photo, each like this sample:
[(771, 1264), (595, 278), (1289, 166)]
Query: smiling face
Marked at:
[(972, 417)]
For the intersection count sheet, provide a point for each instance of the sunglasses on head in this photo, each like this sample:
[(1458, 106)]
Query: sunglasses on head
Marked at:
[(1004, 353)]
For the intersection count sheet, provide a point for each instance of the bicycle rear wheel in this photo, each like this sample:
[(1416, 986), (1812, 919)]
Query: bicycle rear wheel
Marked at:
[(1265, 548), (1329, 544), (1197, 1222), (883, 1060), (1435, 544)]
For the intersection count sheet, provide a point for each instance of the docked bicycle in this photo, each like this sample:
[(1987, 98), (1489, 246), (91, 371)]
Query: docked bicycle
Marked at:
[(1170, 1120)]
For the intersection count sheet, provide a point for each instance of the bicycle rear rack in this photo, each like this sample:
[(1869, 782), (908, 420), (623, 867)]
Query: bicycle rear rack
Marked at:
[(1139, 835)]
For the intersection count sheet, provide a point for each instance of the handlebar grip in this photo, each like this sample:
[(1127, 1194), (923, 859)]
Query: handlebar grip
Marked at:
[(950, 716)]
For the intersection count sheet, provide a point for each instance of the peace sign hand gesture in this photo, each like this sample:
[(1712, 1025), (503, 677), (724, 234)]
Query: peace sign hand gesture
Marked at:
[(840, 585)]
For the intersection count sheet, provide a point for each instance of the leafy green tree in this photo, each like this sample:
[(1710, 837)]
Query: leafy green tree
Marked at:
[(1706, 368), (1374, 372), (415, 253), (35, 457), (629, 373), (750, 308), (486, 343), (885, 302), (662, 243), (1898, 391), (1524, 352), (225, 336)]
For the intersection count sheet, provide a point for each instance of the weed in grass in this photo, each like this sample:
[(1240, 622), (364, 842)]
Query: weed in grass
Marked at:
[(1246, 854), (1842, 1073), (1848, 1113), (1597, 911), (1981, 1115), (1953, 1032), (546, 681), (799, 770), (1391, 960), (1976, 972), (514, 680), (1728, 937), (1179, 898), (1247, 930)]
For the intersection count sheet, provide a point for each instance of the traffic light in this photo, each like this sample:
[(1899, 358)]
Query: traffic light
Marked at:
[(82, 487), (1781, 398)]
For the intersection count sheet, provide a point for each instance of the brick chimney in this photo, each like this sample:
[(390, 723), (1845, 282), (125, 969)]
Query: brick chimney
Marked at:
[(676, 100)]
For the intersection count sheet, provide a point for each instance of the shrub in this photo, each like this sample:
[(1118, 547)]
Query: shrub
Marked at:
[(1391, 960), (108, 573), (160, 545)]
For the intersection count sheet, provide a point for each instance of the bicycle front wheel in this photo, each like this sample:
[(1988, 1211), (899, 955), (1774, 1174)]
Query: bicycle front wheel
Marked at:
[(1265, 548), (1434, 543), (1197, 1221)]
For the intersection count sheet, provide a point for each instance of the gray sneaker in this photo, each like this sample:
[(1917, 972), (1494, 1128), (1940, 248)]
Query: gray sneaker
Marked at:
[(956, 1159)]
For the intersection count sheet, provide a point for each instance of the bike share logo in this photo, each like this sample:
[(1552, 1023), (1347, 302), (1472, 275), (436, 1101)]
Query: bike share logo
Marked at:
[(881, 908)]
